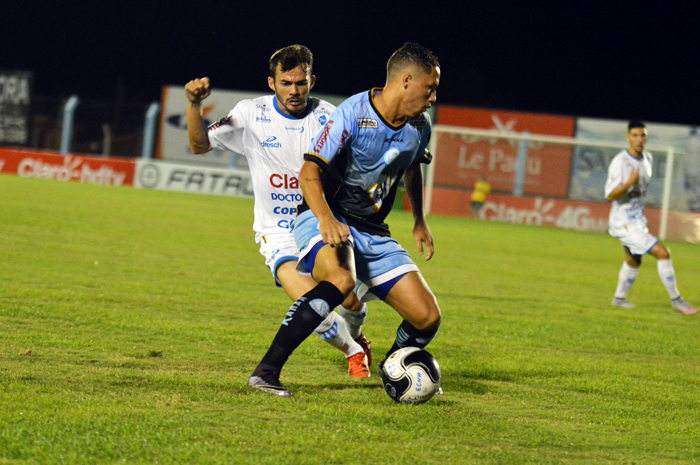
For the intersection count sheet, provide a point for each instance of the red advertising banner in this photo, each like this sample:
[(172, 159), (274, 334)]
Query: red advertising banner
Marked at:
[(462, 160), (567, 214), (46, 165)]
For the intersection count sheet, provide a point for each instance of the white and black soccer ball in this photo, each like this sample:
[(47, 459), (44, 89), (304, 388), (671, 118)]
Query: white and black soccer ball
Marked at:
[(410, 375)]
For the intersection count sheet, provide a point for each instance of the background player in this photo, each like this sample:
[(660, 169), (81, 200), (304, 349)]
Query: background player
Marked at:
[(349, 180), (629, 175), (272, 132)]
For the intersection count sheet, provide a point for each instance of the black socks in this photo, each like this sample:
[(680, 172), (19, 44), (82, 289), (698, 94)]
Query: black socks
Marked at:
[(409, 336), (302, 318)]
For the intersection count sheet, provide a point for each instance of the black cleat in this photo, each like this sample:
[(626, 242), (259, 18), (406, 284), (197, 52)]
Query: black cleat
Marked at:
[(268, 381)]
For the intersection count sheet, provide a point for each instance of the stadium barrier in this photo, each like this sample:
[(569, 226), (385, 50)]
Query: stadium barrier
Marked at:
[(143, 173)]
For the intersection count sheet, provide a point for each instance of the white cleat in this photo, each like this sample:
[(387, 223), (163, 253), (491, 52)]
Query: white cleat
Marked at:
[(681, 306), (622, 302)]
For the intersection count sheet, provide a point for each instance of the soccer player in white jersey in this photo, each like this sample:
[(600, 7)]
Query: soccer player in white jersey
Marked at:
[(273, 132), (349, 180), (629, 175)]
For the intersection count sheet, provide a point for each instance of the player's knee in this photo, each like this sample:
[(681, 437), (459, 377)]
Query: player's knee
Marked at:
[(343, 280), (429, 319)]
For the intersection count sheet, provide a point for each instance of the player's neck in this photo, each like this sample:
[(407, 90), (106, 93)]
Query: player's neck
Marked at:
[(634, 153), (388, 106)]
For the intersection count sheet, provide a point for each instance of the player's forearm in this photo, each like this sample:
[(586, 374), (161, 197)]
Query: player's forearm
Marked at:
[(196, 129), (312, 188), (413, 182), (618, 192)]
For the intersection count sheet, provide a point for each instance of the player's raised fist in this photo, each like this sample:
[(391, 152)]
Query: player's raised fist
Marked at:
[(197, 90)]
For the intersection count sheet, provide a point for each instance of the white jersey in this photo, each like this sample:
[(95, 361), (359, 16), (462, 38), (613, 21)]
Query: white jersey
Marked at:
[(630, 207), (274, 143)]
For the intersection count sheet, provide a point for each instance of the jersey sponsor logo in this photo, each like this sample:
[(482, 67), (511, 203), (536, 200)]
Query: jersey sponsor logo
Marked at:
[(285, 224), (367, 123), (323, 137), (299, 130), (221, 122), (271, 143), (418, 123), (343, 137), (262, 107), (380, 190), (322, 119), (321, 111), (284, 181), (284, 211), (286, 197), (262, 119), (393, 139)]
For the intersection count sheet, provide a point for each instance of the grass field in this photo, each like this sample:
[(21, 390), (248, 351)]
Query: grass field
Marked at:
[(131, 319)]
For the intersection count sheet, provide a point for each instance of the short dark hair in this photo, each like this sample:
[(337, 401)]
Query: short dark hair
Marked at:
[(414, 54), (635, 124), (290, 57)]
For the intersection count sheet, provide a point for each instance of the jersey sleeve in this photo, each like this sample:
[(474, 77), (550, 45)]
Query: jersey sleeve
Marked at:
[(615, 176), (227, 133), (338, 131)]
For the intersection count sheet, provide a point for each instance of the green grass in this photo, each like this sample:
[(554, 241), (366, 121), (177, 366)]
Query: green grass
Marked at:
[(131, 319)]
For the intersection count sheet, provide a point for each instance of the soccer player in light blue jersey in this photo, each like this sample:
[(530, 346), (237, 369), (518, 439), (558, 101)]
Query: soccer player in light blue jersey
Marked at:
[(349, 181)]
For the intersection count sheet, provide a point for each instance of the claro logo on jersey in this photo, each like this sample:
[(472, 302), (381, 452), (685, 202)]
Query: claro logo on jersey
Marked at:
[(271, 143), (284, 181)]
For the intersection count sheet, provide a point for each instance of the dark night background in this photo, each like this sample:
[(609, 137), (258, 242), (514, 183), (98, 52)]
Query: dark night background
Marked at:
[(617, 60)]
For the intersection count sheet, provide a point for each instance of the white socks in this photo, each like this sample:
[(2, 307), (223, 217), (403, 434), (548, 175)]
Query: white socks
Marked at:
[(354, 320), (668, 277), (625, 280), (334, 331)]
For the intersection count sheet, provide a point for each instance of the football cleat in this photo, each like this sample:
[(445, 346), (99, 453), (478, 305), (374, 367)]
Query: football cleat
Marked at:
[(622, 302), (268, 381), (365, 344), (358, 366), (681, 306)]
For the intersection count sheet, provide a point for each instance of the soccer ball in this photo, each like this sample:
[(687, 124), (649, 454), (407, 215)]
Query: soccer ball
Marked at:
[(410, 375)]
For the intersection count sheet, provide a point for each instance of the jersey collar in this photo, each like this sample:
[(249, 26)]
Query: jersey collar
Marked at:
[(395, 127), (630, 154), (309, 108)]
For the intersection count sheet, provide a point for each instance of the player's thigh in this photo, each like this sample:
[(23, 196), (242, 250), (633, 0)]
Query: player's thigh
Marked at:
[(414, 301), (632, 260), (337, 266), (660, 252), (293, 283)]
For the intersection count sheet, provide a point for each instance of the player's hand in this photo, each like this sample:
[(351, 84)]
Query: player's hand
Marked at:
[(333, 232), (422, 234), (634, 177), (197, 90)]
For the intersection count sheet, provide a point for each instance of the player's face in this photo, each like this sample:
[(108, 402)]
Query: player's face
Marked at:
[(421, 92), (292, 89), (637, 137)]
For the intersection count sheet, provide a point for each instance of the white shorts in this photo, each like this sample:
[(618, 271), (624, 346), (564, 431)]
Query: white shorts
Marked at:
[(277, 249), (635, 236)]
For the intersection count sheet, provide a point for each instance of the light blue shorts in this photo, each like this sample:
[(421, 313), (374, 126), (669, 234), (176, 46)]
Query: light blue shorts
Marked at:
[(379, 261)]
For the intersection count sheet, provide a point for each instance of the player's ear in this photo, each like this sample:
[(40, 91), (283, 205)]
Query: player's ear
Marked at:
[(406, 79), (312, 82), (271, 82)]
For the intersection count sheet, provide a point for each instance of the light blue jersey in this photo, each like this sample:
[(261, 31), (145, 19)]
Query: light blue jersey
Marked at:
[(363, 157)]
